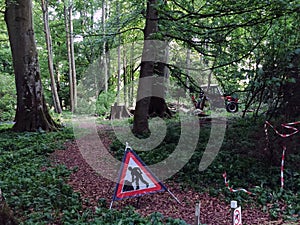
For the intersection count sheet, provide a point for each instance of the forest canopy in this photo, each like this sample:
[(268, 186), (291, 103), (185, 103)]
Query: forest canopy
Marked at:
[(250, 47)]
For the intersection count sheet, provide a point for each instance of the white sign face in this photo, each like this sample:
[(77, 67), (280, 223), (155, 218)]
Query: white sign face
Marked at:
[(237, 216), (136, 176)]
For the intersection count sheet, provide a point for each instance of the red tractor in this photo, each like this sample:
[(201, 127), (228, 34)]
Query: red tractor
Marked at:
[(214, 95), (231, 103)]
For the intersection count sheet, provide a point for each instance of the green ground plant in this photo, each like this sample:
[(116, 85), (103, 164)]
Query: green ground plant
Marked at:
[(247, 163), (37, 191)]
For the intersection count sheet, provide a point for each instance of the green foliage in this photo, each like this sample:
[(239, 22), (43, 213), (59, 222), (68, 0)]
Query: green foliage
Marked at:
[(38, 192), (237, 38), (8, 97), (104, 102), (129, 216), (247, 165), (32, 187)]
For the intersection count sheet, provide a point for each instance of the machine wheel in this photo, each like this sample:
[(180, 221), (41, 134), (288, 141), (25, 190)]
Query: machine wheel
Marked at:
[(232, 107)]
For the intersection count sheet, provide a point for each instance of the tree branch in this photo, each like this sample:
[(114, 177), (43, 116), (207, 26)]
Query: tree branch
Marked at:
[(111, 34)]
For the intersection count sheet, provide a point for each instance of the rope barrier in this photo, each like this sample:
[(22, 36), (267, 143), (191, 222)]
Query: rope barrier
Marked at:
[(234, 190), (294, 131), (288, 126)]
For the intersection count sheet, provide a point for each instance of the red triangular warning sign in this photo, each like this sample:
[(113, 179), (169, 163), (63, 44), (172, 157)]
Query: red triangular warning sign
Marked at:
[(135, 178)]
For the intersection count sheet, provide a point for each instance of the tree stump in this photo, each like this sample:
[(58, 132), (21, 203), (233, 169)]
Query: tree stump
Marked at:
[(119, 112)]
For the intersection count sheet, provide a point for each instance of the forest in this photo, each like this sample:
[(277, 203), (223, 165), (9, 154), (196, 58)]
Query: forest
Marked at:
[(205, 92)]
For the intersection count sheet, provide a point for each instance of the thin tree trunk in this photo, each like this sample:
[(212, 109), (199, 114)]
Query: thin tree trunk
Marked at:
[(67, 30), (119, 73), (104, 46), (125, 78), (32, 112), (72, 57), (55, 97), (56, 69), (188, 65), (131, 88), (119, 53)]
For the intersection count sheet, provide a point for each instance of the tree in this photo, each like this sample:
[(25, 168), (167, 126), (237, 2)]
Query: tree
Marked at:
[(146, 103), (32, 113), (55, 97), (68, 8), (104, 58), (72, 58)]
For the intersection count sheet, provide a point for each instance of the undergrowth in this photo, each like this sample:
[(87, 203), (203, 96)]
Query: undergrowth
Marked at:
[(247, 162), (38, 193)]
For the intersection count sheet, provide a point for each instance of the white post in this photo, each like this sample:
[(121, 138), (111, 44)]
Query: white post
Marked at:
[(233, 206), (111, 204), (197, 213)]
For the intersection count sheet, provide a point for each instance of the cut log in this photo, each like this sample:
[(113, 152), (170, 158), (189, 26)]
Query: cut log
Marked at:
[(119, 112)]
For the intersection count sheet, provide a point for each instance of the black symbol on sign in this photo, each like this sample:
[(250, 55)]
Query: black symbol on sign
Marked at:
[(127, 186), (136, 177)]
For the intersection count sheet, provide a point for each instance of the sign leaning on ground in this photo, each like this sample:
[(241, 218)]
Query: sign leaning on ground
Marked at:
[(136, 179)]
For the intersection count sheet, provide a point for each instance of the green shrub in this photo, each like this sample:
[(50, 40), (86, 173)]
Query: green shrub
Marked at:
[(247, 163), (104, 102), (38, 192), (8, 97)]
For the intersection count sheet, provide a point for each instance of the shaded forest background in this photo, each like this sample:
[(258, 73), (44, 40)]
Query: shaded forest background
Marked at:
[(252, 48)]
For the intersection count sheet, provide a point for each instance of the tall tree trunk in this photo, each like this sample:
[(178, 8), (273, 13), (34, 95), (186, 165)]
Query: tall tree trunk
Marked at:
[(125, 75), (67, 30), (55, 97), (149, 68), (119, 73), (32, 113), (105, 67), (188, 64), (72, 58), (131, 81), (119, 54), (158, 106)]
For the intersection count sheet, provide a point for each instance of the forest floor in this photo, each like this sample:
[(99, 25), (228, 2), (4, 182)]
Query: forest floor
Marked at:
[(93, 187)]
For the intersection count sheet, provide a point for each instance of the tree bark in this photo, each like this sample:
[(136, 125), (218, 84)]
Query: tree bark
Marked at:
[(119, 53), (131, 81), (158, 106), (125, 79), (72, 58), (145, 103), (32, 113), (67, 30), (105, 69), (55, 97)]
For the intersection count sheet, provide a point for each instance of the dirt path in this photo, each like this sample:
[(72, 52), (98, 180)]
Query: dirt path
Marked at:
[(92, 186)]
